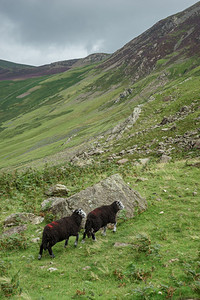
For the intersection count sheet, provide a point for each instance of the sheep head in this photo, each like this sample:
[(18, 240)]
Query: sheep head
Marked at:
[(80, 212), (119, 205)]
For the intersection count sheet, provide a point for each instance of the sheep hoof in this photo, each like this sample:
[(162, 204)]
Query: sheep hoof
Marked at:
[(83, 241), (75, 245), (52, 256), (95, 240), (103, 233), (39, 256)]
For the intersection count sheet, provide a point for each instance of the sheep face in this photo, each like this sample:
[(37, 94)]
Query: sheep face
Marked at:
[(119, 204), (80, 212)]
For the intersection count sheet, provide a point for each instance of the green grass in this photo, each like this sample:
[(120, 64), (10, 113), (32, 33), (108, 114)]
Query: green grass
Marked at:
[(81, 104), (168, 102), (161, 261)]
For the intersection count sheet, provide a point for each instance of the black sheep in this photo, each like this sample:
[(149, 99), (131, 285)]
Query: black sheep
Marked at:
[(100, 217), (60, 230)]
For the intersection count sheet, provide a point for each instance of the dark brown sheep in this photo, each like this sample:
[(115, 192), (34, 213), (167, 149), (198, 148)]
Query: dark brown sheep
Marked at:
[(100, 217), (60, 230)]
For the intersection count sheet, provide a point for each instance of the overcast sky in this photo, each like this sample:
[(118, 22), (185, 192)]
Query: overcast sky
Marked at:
[(38, 32)]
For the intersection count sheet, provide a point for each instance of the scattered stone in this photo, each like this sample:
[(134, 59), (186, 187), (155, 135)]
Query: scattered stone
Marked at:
[(144, 161), (82, 162), (35, 240), (165, 158), (131, 151), (158, 199), (197, 144), (184, 109), (152, 98), (174, 127), (122, 161), (122, 152), (165, 120), (141, 179), (57, 190), (167, 98), (141, 161), (117, 244), (173, 260), (86, 268), (21, 218), (97, 152), (52, 269), (14, 230), (37, 220), (165, 129)]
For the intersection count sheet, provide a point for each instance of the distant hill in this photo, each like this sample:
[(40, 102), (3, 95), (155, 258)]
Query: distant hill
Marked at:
[(10, 70)]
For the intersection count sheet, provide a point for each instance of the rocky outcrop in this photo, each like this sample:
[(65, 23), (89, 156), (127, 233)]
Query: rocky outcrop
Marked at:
[(103, 193), (84, 157), (170, 123), (117, 131), (57, 206), (124, 95), (21, 218), (178, 33)]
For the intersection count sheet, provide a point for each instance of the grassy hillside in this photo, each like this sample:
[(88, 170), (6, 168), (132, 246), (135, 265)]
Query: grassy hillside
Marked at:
[(74, 128), (41, 117), (49, 119), (160, 259)]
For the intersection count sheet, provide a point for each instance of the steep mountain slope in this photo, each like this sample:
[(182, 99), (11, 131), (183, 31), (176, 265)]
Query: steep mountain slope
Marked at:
[(173, 38), (142, 99), (10, 71)]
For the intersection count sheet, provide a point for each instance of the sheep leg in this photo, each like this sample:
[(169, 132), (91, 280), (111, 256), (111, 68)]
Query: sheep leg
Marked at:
[(93, 237), (115, 227), (50, 252), (40, 253), (84, 236), (104, 231), (66, 243), (76, 241)]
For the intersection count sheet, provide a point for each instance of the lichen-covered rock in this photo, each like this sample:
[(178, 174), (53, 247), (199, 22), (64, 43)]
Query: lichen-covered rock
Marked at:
[(21, 218), (57, 206), (165, 159), (14, 230), (122, 161), (57, 190), (103, 193), (197, 144)]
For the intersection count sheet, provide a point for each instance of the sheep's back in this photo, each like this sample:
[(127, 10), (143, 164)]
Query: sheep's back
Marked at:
[(101, 216)]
